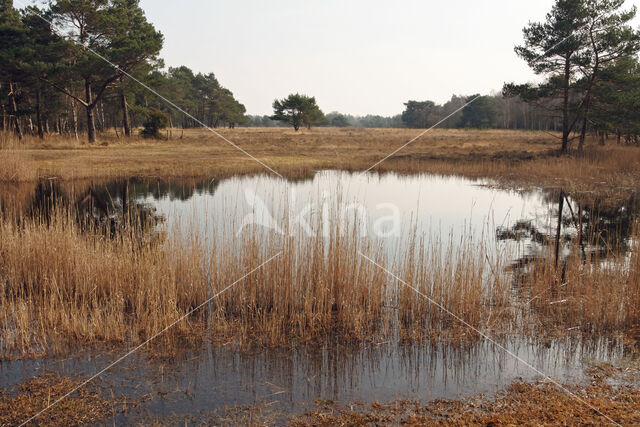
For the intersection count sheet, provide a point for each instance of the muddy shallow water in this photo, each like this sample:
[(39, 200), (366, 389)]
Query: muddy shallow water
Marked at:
[(388, 208), (288, 381)]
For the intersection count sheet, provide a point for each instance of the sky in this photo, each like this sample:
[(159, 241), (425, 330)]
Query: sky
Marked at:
[(355, 56)]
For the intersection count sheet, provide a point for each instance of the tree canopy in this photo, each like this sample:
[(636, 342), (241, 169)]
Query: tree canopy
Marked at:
[(80, 54), (297, 110), (482, 113), (577, 38), (77, 55)]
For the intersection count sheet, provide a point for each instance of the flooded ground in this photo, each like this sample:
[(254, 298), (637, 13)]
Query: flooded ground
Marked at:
[(389, 209), (202, 385)]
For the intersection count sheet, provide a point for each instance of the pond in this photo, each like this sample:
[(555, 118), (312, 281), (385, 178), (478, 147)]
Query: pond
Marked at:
[(396, 212)]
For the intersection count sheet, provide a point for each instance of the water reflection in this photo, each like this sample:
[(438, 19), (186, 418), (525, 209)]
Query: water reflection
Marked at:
[(216, 378), (111, 208), (521, 225), (595, 229)]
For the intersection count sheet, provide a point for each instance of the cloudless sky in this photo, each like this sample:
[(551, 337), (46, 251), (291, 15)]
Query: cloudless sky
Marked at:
[(355, 56)]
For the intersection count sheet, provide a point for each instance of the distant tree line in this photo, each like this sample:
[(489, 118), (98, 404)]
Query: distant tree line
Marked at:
[(485, 112), (334, 119), (586, 50), (54, 77)]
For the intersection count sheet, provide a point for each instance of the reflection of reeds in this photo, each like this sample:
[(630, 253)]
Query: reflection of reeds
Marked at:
[(62, 284)]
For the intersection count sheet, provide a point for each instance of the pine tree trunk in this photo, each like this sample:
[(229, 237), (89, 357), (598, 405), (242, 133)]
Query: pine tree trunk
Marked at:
[(4, 118), (103, 123), (74, 114), (91, 123), (587, 100), (583, 132), (125, 114), (14, 107)]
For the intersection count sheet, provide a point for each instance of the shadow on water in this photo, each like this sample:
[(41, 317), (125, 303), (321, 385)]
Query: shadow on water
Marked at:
[(111, 208)]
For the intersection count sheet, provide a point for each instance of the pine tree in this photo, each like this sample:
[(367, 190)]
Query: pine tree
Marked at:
[(15, 49), (557, 47), (110, 38), (297, 110), (609, 38)]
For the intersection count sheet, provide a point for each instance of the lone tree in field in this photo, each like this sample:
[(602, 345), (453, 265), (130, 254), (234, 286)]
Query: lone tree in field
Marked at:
[(297, 110), (118, 31)]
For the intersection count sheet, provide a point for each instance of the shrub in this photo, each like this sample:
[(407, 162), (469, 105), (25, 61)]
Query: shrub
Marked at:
[(155, 121)]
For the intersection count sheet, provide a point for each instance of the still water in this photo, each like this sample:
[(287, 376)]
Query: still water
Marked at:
[(386, 208), (198, 386)]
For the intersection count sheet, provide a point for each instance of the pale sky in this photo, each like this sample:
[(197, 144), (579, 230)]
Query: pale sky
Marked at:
[(355, 56)]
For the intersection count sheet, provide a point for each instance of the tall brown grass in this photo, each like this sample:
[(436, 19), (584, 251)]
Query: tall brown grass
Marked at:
[(15, 166), (61, 285), (593, 295)]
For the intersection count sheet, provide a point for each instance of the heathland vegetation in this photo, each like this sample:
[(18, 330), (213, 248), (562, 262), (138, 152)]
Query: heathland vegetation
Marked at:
[(585, 49), (79, 266)]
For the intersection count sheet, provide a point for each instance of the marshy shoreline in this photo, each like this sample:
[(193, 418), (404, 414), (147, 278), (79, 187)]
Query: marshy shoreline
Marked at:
[(510, 157), (76, 274)]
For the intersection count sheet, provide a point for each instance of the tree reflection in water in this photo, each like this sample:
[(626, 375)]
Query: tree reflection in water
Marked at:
[(597, 228)]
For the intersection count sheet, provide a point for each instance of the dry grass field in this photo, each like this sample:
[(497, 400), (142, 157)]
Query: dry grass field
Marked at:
[(512, 157)]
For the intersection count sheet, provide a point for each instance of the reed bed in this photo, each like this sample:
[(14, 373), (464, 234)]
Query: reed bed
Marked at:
[(593, 296), (62, 284)]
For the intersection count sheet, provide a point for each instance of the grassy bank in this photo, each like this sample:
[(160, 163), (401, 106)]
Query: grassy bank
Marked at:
[(531, 404), (512, 157)]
